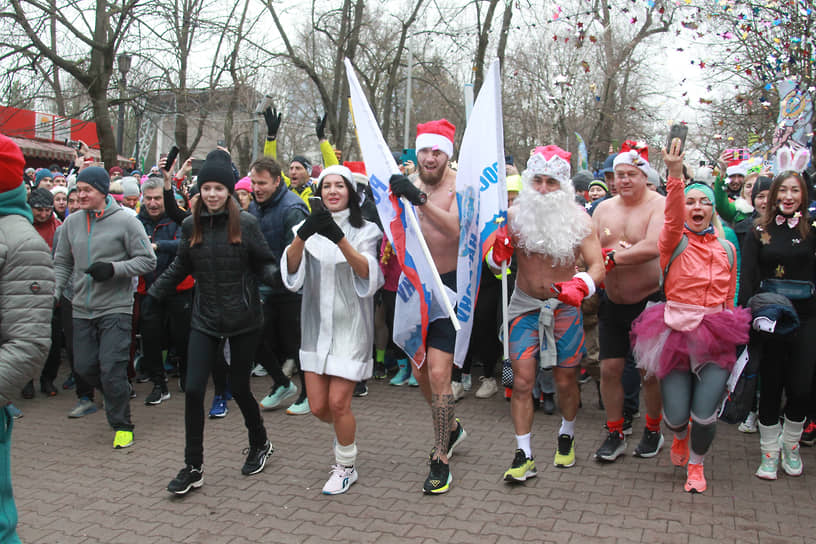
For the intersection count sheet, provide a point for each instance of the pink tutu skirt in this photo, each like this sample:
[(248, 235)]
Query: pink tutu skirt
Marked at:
[(659, 349)]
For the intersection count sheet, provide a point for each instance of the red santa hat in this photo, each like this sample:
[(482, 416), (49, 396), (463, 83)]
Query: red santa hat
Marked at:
[(436, 135), (11, 165), (634, 154), (736, 168)]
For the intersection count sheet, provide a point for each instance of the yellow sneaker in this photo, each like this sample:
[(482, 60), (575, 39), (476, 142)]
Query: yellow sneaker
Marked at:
[(123, 439), (565, 454), (521, 469)]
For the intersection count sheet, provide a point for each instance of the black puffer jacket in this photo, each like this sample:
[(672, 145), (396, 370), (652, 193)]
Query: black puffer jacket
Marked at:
[(226, 301)]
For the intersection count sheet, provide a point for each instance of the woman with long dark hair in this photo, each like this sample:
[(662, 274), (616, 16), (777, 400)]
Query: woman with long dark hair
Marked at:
[(333, 259), (779, 258), (224, 250)]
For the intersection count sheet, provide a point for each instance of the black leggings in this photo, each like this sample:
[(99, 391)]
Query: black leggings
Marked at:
[(787, 364), (201, 355)]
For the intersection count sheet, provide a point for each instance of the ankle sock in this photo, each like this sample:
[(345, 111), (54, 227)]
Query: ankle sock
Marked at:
[(615, 426), (380, 355), (523, 443), (567, 427), (695, 458), (653, 423)]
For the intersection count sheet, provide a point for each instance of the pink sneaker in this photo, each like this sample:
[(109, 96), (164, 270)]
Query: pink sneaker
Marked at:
[(695, 482), (680, 451)]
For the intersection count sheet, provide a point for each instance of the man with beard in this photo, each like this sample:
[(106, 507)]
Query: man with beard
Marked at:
[(629, 226), (554, 235), (433, 193)]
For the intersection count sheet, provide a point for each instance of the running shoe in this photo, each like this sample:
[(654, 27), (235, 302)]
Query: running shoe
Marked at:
[(750, 424), (256, 459), (457, 436), (187, 479), (412, 381), (808, 435), (458, 391), (770, 464), (299, 408), (791, 461), (523, 468), (695, 482), (360, 389), (340, 480), (258, 371), (613, 447), (565, 453), (159, 394), (402, 376), (277, 395), (122, 439), (488, 388), (439, 478), (219, 407), (584, 376), (380, 372), (650, 444), (84, 407)]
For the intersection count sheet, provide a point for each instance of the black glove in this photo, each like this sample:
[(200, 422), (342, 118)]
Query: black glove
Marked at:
[(273, 121), (320, 128), (332, 231), (318, 220), (100, 271), (402, 186)]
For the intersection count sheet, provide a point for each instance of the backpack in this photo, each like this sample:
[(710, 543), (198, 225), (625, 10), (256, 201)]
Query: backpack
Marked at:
[(683, 244)]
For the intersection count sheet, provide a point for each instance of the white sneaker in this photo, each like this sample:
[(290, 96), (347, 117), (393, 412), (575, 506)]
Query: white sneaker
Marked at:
[(458, 391), (467, 382), (340, 480), (289, 368), (258, 371), (488, 388), (750, 424)]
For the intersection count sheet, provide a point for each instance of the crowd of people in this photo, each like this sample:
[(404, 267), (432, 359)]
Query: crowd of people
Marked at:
[(616, 277)]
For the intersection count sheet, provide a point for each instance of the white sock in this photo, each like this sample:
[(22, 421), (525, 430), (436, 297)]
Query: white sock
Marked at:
[(682, 434), (695, 458), (567, 427), (523, 443), (345, 455)]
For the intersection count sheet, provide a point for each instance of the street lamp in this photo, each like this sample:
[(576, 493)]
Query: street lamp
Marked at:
[(123, 62)]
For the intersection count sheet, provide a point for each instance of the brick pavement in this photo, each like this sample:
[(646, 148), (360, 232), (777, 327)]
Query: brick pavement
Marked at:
[(72, 487)]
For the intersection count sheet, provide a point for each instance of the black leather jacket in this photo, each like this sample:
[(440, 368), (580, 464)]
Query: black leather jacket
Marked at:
[(226, 300)]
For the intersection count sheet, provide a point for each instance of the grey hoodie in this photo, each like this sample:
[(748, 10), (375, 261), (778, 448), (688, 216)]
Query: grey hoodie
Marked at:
[(115, 237)]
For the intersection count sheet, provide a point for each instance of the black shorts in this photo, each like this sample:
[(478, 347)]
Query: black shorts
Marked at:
[(441, 334), (615, 322)]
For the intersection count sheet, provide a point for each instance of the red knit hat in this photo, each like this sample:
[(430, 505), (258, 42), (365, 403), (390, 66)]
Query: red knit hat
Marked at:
[(11, 165), (436, 135)]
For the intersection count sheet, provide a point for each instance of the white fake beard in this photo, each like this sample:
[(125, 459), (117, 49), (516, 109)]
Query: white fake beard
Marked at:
[(550, 224)]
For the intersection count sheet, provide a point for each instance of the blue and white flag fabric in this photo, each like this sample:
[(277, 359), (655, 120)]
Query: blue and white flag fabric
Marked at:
[(418, 298), (481, 185)]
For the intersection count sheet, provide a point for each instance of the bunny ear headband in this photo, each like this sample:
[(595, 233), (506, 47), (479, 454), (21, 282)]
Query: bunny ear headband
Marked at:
[(788, 159)]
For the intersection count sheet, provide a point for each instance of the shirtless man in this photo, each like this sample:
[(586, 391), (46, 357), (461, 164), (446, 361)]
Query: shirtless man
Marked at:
[(433, 192), (629, 226), (554, 234)]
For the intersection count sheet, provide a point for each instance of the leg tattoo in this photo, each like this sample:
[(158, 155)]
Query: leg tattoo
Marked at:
[(443, 421)]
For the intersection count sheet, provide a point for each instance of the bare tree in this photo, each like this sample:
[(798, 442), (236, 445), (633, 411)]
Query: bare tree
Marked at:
[(99, 36)]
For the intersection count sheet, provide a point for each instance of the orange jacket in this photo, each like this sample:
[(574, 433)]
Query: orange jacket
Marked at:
[(701, 274)]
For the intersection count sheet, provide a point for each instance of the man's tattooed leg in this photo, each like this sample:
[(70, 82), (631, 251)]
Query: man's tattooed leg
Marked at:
[(443, 421)]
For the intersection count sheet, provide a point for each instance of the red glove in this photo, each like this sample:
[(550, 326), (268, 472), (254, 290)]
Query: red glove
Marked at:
[(502, 247), (609, 258), (573, 291)]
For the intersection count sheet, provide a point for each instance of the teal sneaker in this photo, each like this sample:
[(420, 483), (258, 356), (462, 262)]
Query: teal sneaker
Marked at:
[(277, 396)]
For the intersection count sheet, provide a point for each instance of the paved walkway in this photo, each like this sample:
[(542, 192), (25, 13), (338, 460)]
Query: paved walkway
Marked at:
[(71, 487)]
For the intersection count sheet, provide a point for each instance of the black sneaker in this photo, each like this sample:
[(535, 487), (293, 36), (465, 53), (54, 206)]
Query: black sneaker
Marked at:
[(142, 378), (159, 394), (613, 447), (380, 373), (548, 403), (256, 459), (188, 478), (808, 435), (650, 444), (584, 377), (439, 478), (132, 390), (361, 389), (457, 436)]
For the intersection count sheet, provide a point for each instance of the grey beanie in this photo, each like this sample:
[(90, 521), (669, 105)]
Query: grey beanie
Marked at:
[(130, 186), (96, 177)]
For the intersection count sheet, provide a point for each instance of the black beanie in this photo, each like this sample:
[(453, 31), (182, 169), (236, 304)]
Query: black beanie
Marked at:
[(304, 161), (762, 183), (41, 198), (217, 167), (96, 177)]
